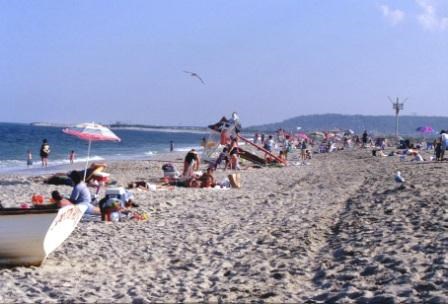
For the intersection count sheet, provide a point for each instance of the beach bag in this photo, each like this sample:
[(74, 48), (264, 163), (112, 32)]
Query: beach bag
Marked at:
[(169, 170), (37, 199)]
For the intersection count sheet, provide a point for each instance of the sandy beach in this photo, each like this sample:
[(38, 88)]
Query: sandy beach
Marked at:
[(338, 230)]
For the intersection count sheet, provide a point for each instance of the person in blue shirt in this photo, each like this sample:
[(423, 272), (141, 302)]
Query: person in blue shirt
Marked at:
[(81, 194)]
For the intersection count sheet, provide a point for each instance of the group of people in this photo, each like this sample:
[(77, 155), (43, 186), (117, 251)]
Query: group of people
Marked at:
[(44, 153), (190, 176), (80, 194)]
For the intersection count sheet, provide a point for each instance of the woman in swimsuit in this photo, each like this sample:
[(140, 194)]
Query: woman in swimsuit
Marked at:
[(234, 152), (44, 152), (191, 163)]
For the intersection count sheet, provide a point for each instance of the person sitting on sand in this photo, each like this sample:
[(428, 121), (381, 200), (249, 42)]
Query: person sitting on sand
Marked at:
[(59, 200), (193, 182), (223, 156), (191, 163), (207, 179), (416, 157), (81, 194)]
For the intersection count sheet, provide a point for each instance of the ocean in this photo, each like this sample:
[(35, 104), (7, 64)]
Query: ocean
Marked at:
[(17, 139)]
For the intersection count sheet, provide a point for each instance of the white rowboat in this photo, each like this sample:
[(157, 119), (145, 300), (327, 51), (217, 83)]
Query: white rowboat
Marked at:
[(28, 236)]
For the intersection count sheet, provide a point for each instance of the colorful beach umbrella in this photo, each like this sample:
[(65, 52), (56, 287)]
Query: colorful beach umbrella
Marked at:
[(303, 136), (425, 129), (349, 132), (317, 135), (91, 132)]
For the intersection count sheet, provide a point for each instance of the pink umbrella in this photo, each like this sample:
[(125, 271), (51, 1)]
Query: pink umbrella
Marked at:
[(303, 136), (91, 132), (425, 129)]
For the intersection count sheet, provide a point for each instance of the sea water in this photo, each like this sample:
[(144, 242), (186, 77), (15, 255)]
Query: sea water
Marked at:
[(17, 139)]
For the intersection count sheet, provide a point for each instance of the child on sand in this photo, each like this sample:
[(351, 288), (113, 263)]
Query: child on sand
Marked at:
[(303, 148), (223, 156), (29, 159), (59, 200)]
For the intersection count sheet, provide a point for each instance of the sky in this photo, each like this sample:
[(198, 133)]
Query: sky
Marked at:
[(270, 60)]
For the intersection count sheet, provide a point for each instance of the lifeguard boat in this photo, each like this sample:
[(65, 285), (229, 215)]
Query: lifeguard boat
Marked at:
[(28, 236)]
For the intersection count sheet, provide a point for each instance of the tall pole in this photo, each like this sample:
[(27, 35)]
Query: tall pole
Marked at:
[(397, 106), (87, 162), (397, 112)]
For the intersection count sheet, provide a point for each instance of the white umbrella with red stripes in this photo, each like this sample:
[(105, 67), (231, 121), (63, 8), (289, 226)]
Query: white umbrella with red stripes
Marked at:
[(91, 132)]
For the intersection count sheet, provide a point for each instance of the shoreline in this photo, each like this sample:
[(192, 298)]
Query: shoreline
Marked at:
[(37, 170)]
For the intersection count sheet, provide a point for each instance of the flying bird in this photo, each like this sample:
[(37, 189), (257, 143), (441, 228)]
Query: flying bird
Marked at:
[(398, 178), (193, 74)]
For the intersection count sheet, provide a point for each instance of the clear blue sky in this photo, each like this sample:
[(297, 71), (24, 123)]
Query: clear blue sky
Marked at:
[(269, 60)]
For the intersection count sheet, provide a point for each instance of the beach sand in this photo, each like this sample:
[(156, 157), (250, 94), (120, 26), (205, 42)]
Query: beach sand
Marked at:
[(338, 230)]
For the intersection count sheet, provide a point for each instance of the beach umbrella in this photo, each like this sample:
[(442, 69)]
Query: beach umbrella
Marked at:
[(317, 135), (303, 136), (91, 132), (425, 129), (329, 135), (349, 132)]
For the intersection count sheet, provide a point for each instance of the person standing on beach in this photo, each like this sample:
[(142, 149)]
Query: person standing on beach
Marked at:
[(303, 149), (72, 156), (234, 154), (364, 139), (29, 159), (171, 146), (44, 152), (444, 143), (191, 163), (269, 144), (204, 142)]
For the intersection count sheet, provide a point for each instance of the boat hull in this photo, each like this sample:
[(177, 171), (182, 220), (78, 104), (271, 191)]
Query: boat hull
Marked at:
[(27, 237)]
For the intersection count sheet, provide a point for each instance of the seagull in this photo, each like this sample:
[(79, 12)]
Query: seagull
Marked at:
[(193, 74), (398, 178)]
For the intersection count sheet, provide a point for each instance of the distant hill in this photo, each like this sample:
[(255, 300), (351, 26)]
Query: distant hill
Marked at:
[(358, 123)]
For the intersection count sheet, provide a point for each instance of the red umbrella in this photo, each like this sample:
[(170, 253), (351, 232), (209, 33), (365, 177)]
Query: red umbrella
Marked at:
[(91, 132)]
